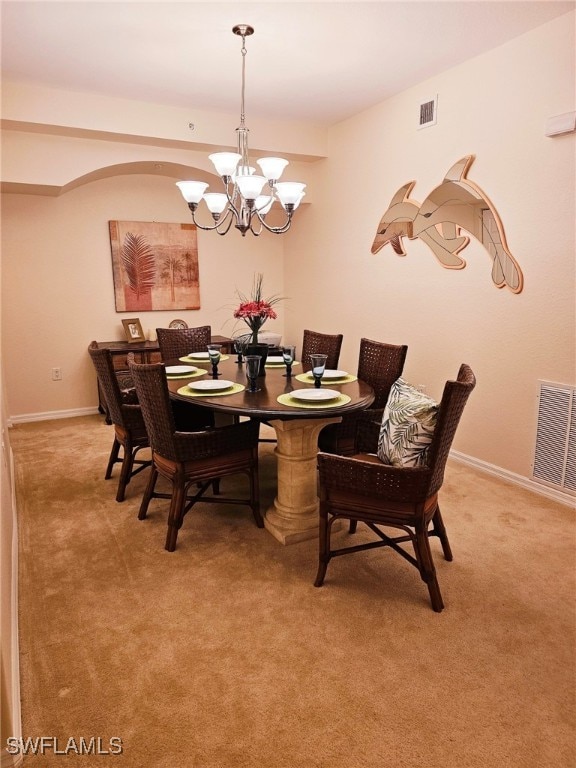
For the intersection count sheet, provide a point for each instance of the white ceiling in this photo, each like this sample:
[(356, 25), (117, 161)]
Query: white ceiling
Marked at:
[(315, 61)]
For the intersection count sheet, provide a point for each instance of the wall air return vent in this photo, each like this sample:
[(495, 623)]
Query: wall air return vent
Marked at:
[(555, 452), (428, 109)]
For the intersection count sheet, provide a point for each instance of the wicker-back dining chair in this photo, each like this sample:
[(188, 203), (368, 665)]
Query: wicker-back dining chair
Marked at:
[(320, 343), (125, 415), (379, 364), (178, 342), (361, 488), (175, 343), (316, 343), (191, 460)]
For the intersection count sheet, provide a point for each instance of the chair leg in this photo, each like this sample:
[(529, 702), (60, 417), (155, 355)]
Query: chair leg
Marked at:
[(148, 493), (427, 569), (175, 515), (353, 526), (113, 458), (125, 472), (440, 530), (324, 547)]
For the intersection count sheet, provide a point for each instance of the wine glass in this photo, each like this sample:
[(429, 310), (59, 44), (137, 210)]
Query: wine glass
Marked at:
[(214, 353), (288, 355), (318, 368), (240, 344), (252, 370)]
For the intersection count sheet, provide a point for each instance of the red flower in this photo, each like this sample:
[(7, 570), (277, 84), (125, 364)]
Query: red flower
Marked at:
[(255, 310)]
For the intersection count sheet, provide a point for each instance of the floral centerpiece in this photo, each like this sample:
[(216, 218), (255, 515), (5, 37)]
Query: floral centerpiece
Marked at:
[(254, 310)]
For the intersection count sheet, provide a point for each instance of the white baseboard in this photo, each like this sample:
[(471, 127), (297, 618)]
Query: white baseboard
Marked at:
[(483, 466), (512, 477), (24, 418)]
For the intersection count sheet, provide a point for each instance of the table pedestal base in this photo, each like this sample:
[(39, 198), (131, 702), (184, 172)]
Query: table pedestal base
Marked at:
[(294, 515)]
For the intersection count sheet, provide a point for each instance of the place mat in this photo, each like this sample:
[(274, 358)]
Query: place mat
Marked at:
[(281, 365), (195, 360), (307, 378), (285, 399), (193, 375), (235, 388)]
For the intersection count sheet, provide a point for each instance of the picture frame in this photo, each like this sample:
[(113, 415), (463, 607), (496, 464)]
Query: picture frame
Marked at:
[(133, 330), (154, 266)]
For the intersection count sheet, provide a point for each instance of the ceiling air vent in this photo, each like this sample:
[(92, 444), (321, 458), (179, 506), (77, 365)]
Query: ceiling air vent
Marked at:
[(428, 111)]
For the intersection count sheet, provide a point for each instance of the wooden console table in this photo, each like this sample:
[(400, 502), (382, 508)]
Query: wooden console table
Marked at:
[(144, 352)]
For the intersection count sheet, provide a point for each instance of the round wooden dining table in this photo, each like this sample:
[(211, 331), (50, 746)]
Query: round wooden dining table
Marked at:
[(293, 517)]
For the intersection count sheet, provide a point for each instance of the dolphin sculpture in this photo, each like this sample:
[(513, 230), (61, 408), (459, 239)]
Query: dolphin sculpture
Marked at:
[(398, 222), (457, 203)]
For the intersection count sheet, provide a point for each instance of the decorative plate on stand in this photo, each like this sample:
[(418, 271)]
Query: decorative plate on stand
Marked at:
[(178, 324)]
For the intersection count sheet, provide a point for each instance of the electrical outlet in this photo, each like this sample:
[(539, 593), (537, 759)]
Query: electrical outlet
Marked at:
[(56, 374)]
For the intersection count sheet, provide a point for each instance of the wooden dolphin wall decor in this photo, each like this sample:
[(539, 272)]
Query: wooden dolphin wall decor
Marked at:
[(456, 204)]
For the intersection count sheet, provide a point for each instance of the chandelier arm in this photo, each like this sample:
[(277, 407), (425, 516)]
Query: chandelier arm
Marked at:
[(202, 226), (276, 230), (231, 199), (254, 232), (225, 231), (215, 225)]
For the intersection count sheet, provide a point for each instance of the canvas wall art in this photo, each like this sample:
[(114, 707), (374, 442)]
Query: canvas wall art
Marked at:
[(155, 266)]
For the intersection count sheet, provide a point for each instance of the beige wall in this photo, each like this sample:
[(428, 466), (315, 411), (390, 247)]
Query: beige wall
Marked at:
[(495, 107), (40, 109), (58, 291)]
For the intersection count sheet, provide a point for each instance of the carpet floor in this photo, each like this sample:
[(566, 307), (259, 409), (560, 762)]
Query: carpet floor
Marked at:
[(224, 655)]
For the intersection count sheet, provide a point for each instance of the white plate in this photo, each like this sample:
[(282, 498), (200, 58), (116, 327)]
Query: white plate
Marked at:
[(332, 373), (199, 356), (314, 394), (274, 359), (178, 370), (210, 385)]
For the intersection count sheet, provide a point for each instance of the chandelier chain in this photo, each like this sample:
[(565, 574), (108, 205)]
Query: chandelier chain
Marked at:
[(243, 51)]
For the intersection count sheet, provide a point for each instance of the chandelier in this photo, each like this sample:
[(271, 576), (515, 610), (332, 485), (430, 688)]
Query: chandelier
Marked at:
[(247, 197)]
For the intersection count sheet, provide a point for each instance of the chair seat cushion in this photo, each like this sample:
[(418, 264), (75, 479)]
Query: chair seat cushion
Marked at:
[(407, 426)]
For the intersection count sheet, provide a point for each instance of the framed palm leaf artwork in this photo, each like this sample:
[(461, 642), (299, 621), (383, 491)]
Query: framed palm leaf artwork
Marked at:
[(155, 266)]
